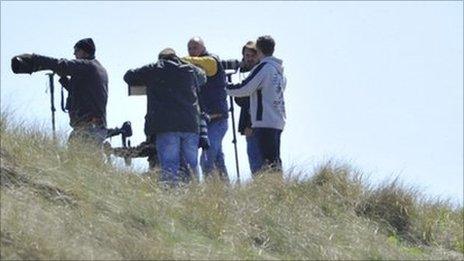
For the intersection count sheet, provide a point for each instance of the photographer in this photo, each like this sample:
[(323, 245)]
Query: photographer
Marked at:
[(213, 99), (173, 113), (87, 86), (265, 85), (249, 60)]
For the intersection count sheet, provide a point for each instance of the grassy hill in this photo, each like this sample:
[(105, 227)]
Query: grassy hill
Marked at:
[(63, 204)]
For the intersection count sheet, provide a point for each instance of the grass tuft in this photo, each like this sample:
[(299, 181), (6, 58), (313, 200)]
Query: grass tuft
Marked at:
[(391, 203)]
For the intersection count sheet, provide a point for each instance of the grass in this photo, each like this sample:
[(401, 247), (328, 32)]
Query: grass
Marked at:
[(58, 203)]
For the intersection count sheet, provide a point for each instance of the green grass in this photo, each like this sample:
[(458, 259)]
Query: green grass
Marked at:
[(58, 203)]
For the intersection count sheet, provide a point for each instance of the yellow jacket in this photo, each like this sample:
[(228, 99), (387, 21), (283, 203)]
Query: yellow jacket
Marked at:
[(207, 63)]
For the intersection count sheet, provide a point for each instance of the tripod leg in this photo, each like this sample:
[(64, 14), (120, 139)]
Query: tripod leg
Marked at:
[(234, 141)]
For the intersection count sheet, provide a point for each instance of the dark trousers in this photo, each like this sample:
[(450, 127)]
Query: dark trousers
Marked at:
[(269, 147)]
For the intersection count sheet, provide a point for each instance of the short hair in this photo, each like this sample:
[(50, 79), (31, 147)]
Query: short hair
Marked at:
[(265, 44), (250, 45), (167, 53)]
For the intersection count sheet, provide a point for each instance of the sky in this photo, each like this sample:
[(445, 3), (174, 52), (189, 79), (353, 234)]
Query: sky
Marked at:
[(377, 85)]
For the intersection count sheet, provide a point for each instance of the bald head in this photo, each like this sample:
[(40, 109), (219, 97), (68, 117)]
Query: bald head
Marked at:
[(196, 46)]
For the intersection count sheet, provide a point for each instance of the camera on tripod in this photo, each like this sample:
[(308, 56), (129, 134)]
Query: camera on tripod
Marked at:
[(125, 131), (231, 64)]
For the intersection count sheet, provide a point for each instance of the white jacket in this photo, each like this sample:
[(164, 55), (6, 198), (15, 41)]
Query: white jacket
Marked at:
[(265, 85)]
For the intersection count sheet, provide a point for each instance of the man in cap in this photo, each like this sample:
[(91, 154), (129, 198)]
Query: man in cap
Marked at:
[(213, 100), (86, 81), (173, 113)]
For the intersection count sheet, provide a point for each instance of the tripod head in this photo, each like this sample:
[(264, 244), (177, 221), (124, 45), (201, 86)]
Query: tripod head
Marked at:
[(125, 131), (229, 74)]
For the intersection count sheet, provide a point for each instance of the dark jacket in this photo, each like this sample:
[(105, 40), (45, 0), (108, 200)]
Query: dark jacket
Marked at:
[(244, 102), (213, 96), (172, 103), (87, 87), (245, 118)]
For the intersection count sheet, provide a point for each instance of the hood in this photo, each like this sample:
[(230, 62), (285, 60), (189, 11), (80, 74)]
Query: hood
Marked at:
[(277, 63)]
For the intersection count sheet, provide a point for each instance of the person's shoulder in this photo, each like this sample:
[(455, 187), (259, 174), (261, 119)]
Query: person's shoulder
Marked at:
[(212, 55), (83, 63), (189, 66), (263, 64), (171, 63), (86, 61), (160, 64), (92, 64), (95, 62)]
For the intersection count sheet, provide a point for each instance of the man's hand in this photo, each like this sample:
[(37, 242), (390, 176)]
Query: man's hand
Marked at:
[(205, 116), (248, 132)]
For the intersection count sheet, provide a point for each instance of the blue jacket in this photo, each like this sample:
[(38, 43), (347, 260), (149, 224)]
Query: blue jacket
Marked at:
[(213, 96)]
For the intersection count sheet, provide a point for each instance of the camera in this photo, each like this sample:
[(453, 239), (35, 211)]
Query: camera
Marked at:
[(125, 130), (204, 140), (22, 64), (231, 64)]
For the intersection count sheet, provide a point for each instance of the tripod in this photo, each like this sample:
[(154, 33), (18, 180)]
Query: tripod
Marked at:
[(52, 100), (234, 140)]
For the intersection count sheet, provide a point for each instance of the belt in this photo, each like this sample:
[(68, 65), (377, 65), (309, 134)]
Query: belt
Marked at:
[(215, 116), (93, 121)]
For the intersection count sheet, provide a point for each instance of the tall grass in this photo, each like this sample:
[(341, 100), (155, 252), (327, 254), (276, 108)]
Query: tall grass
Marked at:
[(58, 203)]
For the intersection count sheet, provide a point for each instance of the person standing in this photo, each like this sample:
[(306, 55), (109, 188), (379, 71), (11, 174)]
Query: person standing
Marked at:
[(172, 112), (265, 85), (213, 100), (249, 60), (86, 81)]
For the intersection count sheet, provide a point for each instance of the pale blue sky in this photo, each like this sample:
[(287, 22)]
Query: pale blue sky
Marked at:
[(376, 84)]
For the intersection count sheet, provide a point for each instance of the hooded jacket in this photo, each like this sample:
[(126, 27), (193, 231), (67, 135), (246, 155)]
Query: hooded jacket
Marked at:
[(265, 85)]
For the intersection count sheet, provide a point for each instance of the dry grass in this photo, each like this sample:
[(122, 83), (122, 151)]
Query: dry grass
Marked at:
[(70, 204)]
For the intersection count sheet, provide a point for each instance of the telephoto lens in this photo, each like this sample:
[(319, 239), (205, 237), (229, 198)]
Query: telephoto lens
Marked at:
[(22, 64), (231, 64), (204, 141), (205, 116)]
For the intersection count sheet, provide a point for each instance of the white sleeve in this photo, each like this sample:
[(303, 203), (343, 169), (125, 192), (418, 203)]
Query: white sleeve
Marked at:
[(250, 84)]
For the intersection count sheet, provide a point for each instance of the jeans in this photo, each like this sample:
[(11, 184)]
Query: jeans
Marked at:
[(171, 148), (254, 155), (213, 158), (269, 147)]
